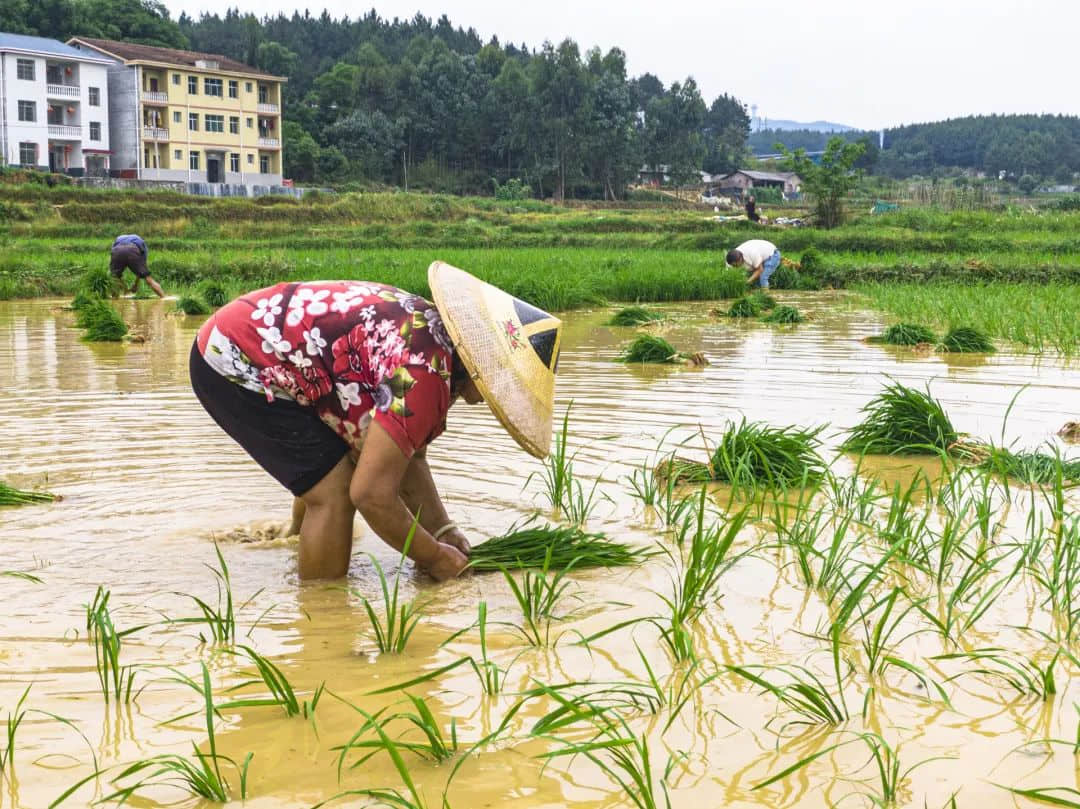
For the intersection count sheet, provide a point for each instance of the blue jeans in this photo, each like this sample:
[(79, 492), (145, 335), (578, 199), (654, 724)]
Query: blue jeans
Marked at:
[(768, 268)]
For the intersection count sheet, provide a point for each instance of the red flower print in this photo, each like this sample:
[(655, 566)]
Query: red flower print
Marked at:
[(513, 334)]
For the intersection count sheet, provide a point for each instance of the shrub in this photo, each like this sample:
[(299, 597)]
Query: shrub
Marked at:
[(513, 190)]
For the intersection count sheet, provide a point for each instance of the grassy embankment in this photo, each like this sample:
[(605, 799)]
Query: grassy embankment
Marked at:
[(558, 257)]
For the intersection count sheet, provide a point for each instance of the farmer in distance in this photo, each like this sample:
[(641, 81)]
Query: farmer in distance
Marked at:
[(129, 252), (760, 257), (336, 388)]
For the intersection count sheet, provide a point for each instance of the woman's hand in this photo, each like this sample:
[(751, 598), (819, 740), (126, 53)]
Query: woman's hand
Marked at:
[(448, 563), (457, 539)]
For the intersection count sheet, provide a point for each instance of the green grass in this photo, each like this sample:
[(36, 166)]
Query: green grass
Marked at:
[(635, 316), (528, 546), (905, 334), (784, 315), (966, 340), (902, 421), (764, 300)]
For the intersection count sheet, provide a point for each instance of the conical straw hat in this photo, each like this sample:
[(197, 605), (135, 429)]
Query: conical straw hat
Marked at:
[(510, 348)]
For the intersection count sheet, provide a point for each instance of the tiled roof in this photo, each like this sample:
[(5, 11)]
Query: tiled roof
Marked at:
[(51, 47), (131, 52)]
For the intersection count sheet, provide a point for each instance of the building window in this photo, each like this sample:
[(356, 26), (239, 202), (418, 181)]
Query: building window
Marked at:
[(176, 78), (249, 124), (212, 87), (24, 69), (28, 154), (247, 87), (28, 111), (234, 124), (234, 88), (215, 123), (193, 161), (264, 94), (264, 164), (234, 162), (177, 155), (251, 160), (95, 130), (94, 96), (177, 117), (193, 85), (193, 121)]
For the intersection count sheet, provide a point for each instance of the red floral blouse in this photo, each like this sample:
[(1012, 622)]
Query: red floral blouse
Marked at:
[(354, 351)]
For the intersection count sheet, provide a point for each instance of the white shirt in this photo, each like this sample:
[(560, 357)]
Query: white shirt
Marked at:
[(755, 251)]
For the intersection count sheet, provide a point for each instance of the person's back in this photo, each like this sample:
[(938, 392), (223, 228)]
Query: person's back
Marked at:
[(131, 238), (756, 251)]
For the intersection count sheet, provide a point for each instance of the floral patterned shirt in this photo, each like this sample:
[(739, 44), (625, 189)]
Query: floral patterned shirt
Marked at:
[(354, 351)]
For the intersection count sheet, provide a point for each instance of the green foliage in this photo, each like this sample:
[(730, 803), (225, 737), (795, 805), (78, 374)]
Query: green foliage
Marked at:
[(905, 334), (192, 306), (763, 299), (784, 314), (83, 299), (964, 339), (811, 260), (746, 306), (1027, 183), (830, 180), (902, 421), (101, 323), (635, 316), (784, 278), (513, 190)]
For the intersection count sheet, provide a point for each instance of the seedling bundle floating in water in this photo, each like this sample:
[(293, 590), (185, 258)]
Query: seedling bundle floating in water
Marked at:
[(904, 334), (528, 546), (784, 314), (101, 322), (648, 348), (902, 421), (965, 340), (192, 306), (635, 316), (745, 306), (10, 496)]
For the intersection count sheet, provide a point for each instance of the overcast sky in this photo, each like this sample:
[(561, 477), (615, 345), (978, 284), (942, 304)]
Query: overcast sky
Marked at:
[(866, 63)]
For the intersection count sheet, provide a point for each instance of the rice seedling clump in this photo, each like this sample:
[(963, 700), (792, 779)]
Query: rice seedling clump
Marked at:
[(905, 334), (649, 348), (745, 306), (213, 293), (192, 306), (784, 314), (98, 282), (529, 546), (763, 299), (635, 316), (102, 323), (902, 421), (966, 340), (1035, 468), (82, 299), (10, 496), (753, 454)]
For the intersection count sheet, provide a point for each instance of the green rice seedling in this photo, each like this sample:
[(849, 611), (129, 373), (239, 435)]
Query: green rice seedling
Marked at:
[(97, 282), (538, 594), (784, 315), (1023, 674), (905, 334), (636, 316), (856, 495), (1033, 468), (400, 619), (902, 421), (763, 299), (220, 620), (802, 692), (213, 294), (966, 340), (530, 544), (558, 473), (199, 778), (583, 703), (905, 528), (10, 496), (648, 348), (82, 299), (1067, 797), (754, 456), (973, 592), (101, 323), (644, 483), (431, 745), (11, 728), (745, 306), (681, 688), (116, 680), (281, 690), (192, 306)]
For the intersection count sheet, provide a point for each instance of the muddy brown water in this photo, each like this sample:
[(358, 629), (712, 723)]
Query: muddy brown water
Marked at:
[(147, 480)]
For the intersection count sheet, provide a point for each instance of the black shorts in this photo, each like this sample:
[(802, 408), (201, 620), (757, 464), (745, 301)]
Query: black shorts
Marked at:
[(128, 257), (286, 439)]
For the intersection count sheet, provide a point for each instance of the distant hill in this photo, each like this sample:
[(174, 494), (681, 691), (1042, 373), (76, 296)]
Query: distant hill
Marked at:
[(763, 142), (813, 126)]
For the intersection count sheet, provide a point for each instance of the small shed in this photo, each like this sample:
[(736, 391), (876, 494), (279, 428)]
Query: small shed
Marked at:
[(741, 181)]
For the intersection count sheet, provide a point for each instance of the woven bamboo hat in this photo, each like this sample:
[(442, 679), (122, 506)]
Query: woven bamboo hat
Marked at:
[(510, 348)]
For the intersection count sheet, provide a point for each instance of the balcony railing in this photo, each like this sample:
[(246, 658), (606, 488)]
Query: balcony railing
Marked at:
[(271, 108), (269, 142), (153, 133), (63, 90), (66, 132), (152, 97)]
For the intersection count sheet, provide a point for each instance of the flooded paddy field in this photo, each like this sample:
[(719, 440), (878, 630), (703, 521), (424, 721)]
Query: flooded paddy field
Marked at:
[(148, 481)]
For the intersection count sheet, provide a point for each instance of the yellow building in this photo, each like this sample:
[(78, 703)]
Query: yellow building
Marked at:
[(187, 116)]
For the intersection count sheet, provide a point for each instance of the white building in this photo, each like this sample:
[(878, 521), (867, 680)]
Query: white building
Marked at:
[(54, 106)]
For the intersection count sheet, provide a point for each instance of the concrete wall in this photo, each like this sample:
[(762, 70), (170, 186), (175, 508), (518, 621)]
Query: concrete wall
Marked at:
[(124, 117), (202, 189)]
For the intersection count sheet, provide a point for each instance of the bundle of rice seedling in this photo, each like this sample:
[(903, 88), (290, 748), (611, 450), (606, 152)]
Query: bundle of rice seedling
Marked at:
[(82, 299), (763, 299), (784, 314), (1035, 468), (745, 306), (635, 316), (527, 546), (102, 323), (97, 281), (213, 293), (904, 334), (192, 306), (967, 341), (902, 421), (683, 470), (752, 453), (10, 496), (649, 348)]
